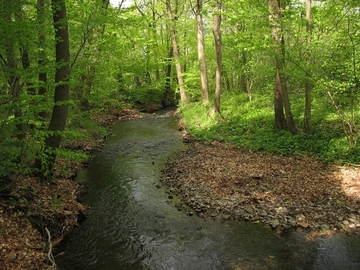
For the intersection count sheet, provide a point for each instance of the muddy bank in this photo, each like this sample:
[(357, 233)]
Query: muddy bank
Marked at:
[(219, 182)]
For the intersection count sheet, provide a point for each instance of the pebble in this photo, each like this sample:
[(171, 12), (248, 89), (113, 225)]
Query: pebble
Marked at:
[(303, 224), (275, 223), (273, 214), (249, 209)]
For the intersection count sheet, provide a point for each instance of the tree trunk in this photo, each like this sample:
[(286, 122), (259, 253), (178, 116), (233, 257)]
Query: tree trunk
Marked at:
[(280, 80), (201, 53), (42, 56), (218, 49), (168, 97), (60, 109), (13, 77), (308, 84), (279, 119), (183, 95)]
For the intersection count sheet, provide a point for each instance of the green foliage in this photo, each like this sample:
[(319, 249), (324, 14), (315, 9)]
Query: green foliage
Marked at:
[(120, 57), (9, 158), (248, 126), (56, 202)]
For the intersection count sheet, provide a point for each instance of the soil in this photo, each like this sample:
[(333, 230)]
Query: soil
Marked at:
[(213, 181)]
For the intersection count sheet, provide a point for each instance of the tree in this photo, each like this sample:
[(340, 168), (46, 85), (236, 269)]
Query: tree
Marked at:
[(42, 76), (201, 52), (61, 96), (175, 51), (13, 77), (308, 83), (281, 97), (218, 49)]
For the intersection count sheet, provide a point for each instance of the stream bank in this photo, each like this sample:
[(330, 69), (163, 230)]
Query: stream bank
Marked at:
[(189, 179), (135, 224), (219, 182), (28, 205)]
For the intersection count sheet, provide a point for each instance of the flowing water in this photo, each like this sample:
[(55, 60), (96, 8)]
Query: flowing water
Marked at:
[(131, 226)]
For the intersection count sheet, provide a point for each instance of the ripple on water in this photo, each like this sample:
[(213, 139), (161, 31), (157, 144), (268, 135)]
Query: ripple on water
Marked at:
[(132, 227)]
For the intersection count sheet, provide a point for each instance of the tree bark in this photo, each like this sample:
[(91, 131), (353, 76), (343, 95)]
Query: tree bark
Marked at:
[(42, 76), (168, 97), (61, 97), (183, 95), (218, 49), (281, 91), (201, 53), (308, 83)]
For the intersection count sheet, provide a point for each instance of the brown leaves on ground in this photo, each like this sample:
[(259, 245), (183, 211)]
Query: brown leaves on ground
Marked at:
[(279, 191), (24, 244)]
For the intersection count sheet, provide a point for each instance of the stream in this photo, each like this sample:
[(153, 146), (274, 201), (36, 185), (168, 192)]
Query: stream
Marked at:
[(131, 226)]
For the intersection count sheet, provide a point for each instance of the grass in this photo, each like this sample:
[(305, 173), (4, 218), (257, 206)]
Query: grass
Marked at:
[(249, 126)]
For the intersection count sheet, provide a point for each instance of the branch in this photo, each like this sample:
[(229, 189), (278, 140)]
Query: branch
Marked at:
[(85, 39), (2, 58), (50, 256)]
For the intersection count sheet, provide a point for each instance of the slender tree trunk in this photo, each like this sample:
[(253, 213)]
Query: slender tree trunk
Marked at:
[(168, 97), (218, 49), (13, 77), (60, 109), (42, 56), (308, 83), (155, 37), (243, 77), (280, 80), (183, 95), (279, 119), (201, 53)]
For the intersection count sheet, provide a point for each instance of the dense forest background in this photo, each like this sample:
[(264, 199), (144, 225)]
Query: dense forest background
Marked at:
[(275, 76)]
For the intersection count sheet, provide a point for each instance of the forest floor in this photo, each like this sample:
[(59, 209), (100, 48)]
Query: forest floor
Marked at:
[(281, 192), (214, 181)]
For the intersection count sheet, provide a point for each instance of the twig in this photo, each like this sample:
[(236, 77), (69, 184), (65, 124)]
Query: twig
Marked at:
[(50, 256)]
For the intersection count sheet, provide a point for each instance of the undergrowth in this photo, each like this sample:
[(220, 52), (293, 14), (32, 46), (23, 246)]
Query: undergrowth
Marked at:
[(249, 126)]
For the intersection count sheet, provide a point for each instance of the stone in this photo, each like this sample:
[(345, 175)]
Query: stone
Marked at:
[(303, 224), (352, 226), (263, 213), (281, 210), (324, 226), (292, 222), (249, 209), (353, 220), (300, 217), (275, 222)]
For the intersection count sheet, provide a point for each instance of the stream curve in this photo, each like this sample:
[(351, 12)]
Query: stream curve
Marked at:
[(131, 225)]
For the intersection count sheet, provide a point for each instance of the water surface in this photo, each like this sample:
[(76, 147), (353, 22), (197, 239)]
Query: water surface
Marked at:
[(131, 226)]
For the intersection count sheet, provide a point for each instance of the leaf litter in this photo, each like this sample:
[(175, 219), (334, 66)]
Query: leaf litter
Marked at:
[(281, 192)]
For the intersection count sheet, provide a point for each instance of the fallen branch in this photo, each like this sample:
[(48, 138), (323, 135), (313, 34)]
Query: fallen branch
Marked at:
[(50, 256)]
